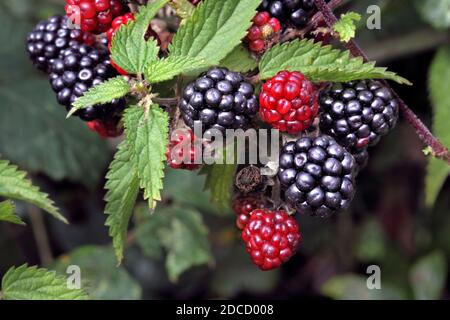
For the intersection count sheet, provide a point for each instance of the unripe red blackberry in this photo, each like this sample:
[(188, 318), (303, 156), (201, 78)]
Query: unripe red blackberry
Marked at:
[(183, 150), (358, 113), (317, 176), (243, 206), (262, 29), (288, 102), (219, 99), (106, 128), (50, 37), (271, 238), (94, 16)]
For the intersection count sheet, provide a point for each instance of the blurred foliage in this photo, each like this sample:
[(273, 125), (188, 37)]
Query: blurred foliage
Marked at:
[(100, 275), (388, 224), (438, 171)]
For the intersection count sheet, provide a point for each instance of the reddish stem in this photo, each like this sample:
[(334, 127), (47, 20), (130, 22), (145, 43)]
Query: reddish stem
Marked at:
[(438, 149)]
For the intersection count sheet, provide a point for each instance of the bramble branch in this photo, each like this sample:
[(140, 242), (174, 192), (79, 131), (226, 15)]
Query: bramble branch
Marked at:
[(438, 149)]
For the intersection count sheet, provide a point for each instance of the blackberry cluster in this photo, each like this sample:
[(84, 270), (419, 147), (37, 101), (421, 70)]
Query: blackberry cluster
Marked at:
[(78, 69), (317, 175), (50, 37), (219, 99), (290, 12)]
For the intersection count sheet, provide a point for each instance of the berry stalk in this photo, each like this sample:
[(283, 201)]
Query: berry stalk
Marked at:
[(438, 149)]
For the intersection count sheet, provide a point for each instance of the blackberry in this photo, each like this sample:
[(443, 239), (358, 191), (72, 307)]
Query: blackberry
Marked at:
[(317, 175), (290, 12), (271, 238), (219, 99), (94, 16), (75, 71), (289, 102), (358, 113), (50, 37)]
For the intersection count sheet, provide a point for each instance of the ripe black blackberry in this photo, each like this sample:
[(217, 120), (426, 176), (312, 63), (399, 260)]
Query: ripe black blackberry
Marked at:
[(50, 37), (219, 99), (293, 12), (317, 175), (75, 71), (358, 113)]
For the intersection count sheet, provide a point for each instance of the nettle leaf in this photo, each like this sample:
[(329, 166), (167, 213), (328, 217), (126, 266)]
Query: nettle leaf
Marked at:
[(215, 28), (346, 26), (147, 134), (123, 188), (103, 93), (428, 276), (438, 170), (129, 49), (15, 185), (435, 12), (183, 8), (321, 63), (7, 213), (219, 181), (167, 68), (31, 283), (239, 60), (180, 232)]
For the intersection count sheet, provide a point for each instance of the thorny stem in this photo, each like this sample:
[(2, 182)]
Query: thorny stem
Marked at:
[(438, 149)]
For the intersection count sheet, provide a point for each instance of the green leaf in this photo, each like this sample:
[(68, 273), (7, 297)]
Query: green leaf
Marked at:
[(123, 187), (129, 49), (354, 287), (239, 60), (435, 12), (214, 30), (439, 170), (31, 283), (147, 135), (15, 185), (346, 26), (219, 181), (167, 68), (100, 276), (105, 92), (428, 276), (321, 63), (183, 8), (180, 186), (35, 135), (180, 232), (7, 213)]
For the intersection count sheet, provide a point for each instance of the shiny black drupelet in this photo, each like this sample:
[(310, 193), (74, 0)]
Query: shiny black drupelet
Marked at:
[(317, 176)]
